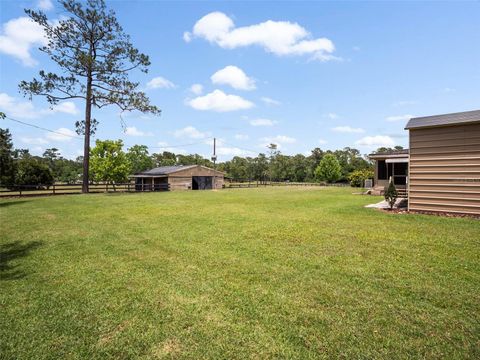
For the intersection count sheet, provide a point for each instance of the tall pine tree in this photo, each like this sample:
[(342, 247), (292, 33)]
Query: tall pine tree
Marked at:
[(95, 57)]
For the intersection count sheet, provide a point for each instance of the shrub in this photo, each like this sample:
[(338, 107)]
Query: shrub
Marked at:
[(391, 194), (31, 171), (357, 178)]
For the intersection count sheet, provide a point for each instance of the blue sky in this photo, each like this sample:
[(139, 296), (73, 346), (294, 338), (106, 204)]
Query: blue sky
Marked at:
[(299, 74)]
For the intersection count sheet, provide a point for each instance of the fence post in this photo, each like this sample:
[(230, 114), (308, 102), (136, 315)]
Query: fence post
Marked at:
[(53, 189)]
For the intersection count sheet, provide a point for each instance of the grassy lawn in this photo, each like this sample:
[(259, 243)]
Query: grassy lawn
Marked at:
[(248, 273)]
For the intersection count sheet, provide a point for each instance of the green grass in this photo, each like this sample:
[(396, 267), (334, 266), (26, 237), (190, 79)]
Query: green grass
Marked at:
[(249, 273)]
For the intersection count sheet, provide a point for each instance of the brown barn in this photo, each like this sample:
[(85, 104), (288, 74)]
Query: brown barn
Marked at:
[(444, 164), (183, 177)]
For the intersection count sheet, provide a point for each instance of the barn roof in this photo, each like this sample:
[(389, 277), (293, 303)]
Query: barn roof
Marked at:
[(165, 170), (466, 117)]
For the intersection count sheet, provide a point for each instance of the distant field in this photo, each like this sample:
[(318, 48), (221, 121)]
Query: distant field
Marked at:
[(248, 273)]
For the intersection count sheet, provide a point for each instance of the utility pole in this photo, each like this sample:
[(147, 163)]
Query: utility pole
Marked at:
[(214, 159)]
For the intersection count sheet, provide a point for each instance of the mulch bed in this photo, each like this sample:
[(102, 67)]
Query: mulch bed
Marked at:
[(434, 213)]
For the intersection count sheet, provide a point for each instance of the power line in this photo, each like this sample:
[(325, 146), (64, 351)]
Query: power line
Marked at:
[(242, 148), (181, 145), (42, 128), (150, 147), (78, 138)]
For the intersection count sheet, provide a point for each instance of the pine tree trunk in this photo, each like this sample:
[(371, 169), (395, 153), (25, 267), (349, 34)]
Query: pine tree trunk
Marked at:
[(86, 145)]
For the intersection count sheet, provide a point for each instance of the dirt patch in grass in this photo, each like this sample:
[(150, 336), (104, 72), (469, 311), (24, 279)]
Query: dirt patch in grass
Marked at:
[(108, 337), (170, 347)]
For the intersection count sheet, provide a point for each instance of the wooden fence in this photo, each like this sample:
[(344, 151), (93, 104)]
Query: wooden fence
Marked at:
[(253, 184), (62, 189)]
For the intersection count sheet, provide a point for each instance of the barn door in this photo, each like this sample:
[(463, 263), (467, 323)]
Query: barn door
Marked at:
[(202, 182)]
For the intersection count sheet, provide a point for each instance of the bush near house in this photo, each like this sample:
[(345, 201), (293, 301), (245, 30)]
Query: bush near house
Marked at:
[(391, 194), (358, 177)]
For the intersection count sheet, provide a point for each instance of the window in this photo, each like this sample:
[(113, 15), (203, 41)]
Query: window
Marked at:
[(382, 170), (401, 169)]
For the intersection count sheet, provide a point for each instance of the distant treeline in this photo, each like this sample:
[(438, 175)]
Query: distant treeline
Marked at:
[(110, 163)]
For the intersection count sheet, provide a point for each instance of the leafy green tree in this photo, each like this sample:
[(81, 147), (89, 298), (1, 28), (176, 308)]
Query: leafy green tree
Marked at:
[(95, 57), (299, 166), (388, 149), (139, 159), (260, 167), (329, 169), (109, 162), (7, 165), (32, 171), (64, 170), (391, 194), (166, 158), (313, 160)]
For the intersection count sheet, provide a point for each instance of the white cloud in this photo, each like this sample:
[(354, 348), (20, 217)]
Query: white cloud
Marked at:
[(220, 102), (262, 122), (399, 118), (187, 37), (279, 140), (197, 89), (34, 141), (45, 5), (322, 141), (62, 134), (277, 37), (233, 76), (66, 107), (233, 151), (376, 141), (19, 36), (283, 139), (270, 101), (190, 132), (133, 131), (241, 137), (16, 108), (160, 83), (332, 116), (348, 129)]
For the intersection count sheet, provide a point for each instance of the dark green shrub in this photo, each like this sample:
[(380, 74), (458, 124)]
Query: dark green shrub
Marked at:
[(391, 194)]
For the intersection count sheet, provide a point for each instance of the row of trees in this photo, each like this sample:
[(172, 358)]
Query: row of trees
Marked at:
[(20, 168), (337, 166), (110, 163)]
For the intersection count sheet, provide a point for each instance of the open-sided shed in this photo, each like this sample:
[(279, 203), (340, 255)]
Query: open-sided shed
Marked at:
[(182, 177)]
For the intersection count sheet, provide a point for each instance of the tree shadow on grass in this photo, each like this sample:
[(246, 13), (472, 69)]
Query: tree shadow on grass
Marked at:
[(11, 203), (12, 252)]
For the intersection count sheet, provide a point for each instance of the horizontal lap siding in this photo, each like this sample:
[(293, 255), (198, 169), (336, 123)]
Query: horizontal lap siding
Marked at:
[(444, 169)]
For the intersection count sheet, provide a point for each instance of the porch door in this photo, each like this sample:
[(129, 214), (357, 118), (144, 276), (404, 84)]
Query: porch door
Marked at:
[(399, 173)]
